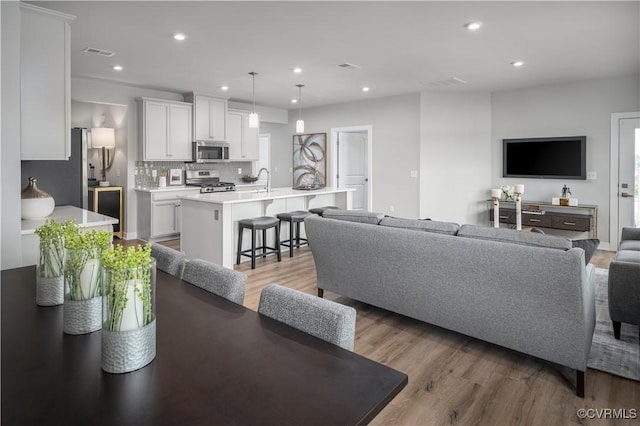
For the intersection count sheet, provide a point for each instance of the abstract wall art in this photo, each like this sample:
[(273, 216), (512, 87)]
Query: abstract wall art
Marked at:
[(309, 160)]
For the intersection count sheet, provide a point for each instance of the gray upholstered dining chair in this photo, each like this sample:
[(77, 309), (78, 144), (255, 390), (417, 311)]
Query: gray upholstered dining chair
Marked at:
[(168, 260), (216, 279), (327, 320)]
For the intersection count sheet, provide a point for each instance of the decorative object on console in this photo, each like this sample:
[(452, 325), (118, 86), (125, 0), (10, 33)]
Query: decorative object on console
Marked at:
[(105, 138), (300, 122), (507, 191), (254, 120), (129, 317), (50, 268), (35, 203), (518, 190), (309, 160), (495, 194), (83, 280), (566, 194)]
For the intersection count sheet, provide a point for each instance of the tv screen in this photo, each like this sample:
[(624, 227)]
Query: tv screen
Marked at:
[(545, 158)]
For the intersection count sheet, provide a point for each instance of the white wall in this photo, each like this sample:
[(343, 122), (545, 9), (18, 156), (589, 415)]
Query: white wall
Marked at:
[(455, 156), (395, 121), (11, 247), (571, 109), (99, 92), (281, 153)]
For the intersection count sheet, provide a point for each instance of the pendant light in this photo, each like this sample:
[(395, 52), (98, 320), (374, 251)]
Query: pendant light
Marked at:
[(254, 121), (300, 122)]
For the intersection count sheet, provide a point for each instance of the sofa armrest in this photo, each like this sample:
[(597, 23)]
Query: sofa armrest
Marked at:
[(624, 292), (629, 233)]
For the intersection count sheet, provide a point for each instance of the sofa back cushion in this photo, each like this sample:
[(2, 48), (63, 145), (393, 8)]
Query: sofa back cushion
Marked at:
[(359, 216), (515, 237), (447, 228)]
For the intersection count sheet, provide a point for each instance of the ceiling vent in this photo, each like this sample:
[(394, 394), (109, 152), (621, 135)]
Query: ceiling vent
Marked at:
[(100, 52), (348, 66), (453, 81)]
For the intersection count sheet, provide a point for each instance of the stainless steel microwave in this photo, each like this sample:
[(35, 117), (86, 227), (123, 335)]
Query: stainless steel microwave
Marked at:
[(210, 152)]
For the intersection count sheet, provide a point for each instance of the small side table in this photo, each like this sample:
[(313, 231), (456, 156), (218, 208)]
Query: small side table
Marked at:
[(107, 200)]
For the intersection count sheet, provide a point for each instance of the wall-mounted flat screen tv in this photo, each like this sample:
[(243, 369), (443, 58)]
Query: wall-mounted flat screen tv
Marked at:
[(545, 158)]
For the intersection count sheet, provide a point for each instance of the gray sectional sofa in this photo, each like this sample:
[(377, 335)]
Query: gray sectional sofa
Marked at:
[(624, 281), (528, 292)]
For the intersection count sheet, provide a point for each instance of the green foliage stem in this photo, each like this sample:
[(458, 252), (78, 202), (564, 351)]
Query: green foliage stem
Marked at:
[(52, 242)]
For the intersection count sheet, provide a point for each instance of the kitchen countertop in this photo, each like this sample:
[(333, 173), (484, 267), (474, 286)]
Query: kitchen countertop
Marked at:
[(248, 196), (84, 218), (239, 187)]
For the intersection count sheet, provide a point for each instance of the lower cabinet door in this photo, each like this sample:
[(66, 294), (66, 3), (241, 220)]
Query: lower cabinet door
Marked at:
[(164, 218)]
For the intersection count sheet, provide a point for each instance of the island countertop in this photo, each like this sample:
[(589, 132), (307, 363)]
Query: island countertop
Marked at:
[(234, 197), (84, 219)]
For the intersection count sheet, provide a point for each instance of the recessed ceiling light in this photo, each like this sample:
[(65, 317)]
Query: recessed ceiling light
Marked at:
[(118, 67), (224, 87), (297, 70), (473, 25), (365, 89), (294, 101), (179, 36), (517, 63)]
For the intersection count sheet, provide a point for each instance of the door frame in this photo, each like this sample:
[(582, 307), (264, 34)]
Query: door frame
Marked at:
[(333, 151), (613, 175)]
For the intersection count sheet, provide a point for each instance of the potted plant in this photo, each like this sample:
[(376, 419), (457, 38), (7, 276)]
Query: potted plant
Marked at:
[(50, 268), (129, 326), (83, 280)]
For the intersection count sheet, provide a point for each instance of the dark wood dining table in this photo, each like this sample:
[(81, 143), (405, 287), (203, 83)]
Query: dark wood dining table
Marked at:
[(217, 363)]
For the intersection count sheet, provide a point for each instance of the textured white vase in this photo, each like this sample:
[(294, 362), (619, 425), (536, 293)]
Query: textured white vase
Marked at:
[(36, 204)]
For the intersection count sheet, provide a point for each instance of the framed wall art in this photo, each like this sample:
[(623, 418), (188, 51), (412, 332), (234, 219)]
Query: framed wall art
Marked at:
[(310, 161)]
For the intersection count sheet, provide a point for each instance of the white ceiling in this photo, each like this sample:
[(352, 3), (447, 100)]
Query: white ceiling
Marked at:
[(401, 47)]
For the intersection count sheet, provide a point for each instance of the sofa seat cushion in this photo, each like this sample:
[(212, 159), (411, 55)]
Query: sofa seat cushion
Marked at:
[(630, 245), (515, 237), (447, 228), (628, 256), (359, 216)]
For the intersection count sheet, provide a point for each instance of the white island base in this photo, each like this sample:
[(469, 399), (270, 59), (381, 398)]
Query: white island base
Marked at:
[(210, 221)]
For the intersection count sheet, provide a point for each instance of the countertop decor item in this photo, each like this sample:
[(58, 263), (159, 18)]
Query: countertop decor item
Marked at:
[(50, 267), (83, 281), (249, 178), (36, 204), (129, 326)]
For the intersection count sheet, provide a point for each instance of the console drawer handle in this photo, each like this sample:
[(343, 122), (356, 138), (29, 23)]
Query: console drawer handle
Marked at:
[(534, 220), (570, 223), (504, 217)]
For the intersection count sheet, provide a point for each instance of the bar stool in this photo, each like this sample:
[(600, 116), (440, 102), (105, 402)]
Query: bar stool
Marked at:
[(295, 217), (320, 210), (258, 224)]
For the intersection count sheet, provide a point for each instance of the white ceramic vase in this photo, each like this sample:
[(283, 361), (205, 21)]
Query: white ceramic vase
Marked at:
[(36, 204)]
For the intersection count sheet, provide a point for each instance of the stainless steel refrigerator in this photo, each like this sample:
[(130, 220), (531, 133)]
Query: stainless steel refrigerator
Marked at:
[(65, 180)]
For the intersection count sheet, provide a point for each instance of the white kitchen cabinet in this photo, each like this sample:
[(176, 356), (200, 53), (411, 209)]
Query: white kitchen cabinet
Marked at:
[(209, 117), (165, 130), (243, 140), (159, 212), (45, 81)]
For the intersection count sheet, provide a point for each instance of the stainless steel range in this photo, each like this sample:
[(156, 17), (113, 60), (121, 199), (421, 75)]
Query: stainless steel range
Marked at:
[(208, 181)]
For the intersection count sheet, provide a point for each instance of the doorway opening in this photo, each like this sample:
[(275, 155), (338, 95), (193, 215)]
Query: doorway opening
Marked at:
[(351, 163)]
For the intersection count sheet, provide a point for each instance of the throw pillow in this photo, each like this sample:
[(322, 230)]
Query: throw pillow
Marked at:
[(589, 246)]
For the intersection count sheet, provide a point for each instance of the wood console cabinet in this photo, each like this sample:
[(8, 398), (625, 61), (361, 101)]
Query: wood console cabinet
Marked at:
[(583, 218), (107, 200)]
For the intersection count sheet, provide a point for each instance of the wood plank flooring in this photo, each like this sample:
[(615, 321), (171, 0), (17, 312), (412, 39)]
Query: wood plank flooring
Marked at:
[(455, 379)]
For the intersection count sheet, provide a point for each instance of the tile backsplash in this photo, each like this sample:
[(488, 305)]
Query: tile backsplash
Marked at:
[(148, 172)]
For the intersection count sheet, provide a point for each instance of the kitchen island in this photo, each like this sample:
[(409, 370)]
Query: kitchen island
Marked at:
[(210, 221)]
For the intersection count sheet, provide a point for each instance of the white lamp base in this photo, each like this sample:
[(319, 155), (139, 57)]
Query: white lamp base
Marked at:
[(104, 183)]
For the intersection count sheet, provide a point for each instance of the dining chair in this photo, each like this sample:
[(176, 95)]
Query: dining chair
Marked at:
[(327, 320), (167, 259), (216, 279)]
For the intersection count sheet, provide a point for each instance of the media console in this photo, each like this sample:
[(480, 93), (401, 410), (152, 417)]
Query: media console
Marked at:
[(582, 218)]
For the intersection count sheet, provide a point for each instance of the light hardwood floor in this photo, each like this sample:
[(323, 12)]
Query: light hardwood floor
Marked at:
[(455, 379)]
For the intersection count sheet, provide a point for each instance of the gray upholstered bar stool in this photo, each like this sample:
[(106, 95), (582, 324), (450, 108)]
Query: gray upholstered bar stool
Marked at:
[(320, 210), (258, 224), (294, 218)]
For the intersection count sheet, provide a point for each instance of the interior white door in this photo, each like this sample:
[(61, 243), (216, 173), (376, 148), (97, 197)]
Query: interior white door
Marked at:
[(353, 166), (629, 173)]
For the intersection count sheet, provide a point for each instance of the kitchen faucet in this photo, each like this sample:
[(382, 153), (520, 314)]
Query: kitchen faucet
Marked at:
[(267, 187)]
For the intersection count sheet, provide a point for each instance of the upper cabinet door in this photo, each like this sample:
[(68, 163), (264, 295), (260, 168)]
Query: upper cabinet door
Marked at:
[(156, 130), (45, 97), (180, 132), (234, 134), (165, 130), (209, 117)]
